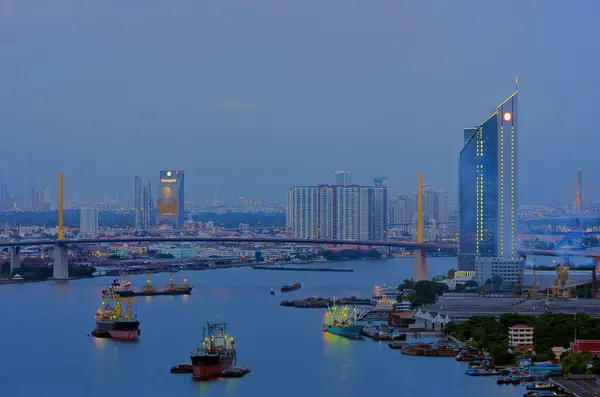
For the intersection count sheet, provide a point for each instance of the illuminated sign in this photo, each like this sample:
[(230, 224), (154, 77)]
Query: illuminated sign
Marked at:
[(165, 180), (507, 116)]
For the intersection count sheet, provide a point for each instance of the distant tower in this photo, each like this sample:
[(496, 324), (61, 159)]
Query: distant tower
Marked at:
[(137, 199), (342, 178), (578, 206)]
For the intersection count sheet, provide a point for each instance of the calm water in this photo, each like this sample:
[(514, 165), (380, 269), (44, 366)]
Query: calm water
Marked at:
[(45, 350)]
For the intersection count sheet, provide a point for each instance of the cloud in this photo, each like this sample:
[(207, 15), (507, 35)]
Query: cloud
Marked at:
[(235, 105)]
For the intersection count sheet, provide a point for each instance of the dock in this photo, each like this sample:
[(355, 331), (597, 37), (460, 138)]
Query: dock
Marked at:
[(579, 385)]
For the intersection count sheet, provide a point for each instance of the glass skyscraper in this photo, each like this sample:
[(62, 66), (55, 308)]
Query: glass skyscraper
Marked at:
[(488, 187)]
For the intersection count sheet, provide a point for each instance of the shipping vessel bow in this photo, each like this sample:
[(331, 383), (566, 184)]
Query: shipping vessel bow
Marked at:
[(342, 322)]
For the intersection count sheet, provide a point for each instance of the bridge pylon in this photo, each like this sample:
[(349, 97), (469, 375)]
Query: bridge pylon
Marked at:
[(420, 254)]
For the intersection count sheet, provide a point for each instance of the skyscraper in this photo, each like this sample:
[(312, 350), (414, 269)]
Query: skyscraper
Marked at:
[(488, 187), (137, 202), (380, 208), (88, 222), (147, 206), (170, 199), (305, 211)]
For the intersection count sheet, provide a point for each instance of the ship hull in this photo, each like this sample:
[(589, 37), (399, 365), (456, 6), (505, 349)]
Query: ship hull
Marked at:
[(207, 367), (120, 330), (349, 331), (153, 293)]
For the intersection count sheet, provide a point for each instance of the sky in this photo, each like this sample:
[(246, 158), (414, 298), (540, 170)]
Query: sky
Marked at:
[(253, 97)]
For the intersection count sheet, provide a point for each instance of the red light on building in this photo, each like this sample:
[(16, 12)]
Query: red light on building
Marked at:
[(507, 116)]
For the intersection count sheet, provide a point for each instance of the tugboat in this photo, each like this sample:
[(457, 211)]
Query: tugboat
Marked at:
[(217, 353), (291, 287), (112, 322), (342, 322), (272, 291)]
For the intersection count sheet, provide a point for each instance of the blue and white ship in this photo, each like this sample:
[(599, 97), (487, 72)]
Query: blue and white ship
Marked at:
[(342, 321)]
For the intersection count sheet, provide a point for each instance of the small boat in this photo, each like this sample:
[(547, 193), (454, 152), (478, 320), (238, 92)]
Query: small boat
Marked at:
[(397, 344), (546, 394), (272, 291), (541, 386), (472, 372), (182, 369), (236, 371), (291, 287)]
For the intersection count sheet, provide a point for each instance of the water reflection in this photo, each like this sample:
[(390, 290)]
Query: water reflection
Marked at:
[(100, 343), (148, 299)]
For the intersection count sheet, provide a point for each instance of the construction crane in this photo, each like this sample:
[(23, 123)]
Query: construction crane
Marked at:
[(562, 276)]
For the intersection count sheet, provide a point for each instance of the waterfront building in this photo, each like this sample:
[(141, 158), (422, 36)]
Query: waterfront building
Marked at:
[(147, 206), (88, 222), (170, 199), (488, 187), (520, 336), (510, 270)]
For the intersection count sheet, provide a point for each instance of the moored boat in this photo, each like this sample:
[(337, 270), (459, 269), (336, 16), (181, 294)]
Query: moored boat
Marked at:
[(216, 354), (342, 322), (111, 320), (291, 287), (541, 386)]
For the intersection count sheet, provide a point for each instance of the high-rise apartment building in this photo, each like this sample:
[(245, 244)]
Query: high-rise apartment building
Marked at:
[(488, 187), (88, 222), (170, 199), (349, 212), (304, 204)]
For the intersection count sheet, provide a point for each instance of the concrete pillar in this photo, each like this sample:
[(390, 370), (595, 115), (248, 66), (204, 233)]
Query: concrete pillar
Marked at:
[(61, 262), (420, 264), (15, 258)]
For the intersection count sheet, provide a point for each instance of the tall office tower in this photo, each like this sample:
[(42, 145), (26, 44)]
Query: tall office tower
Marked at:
[(34, 198), (46, 197), (3, 193), (442, 206), (366, 212), (137, 202), (380, 209), (326, 216), (170, 199), (347, 216), (488, 187), (289, 210), (429, 202), (305, 211), (342, 178), (88, 222), (147, 206)]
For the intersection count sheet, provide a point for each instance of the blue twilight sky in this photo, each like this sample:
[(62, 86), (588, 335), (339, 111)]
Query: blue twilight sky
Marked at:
[(252, 97)]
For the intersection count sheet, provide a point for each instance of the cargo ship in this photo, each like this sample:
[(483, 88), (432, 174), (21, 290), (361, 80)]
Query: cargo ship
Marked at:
[(342, 322), (216, 354), (291, 287), (123, 288), (111, 322)]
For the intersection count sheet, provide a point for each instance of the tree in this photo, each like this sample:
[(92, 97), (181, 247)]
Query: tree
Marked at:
[(576, 363), (471, 284), (460, 287), (407, 284)]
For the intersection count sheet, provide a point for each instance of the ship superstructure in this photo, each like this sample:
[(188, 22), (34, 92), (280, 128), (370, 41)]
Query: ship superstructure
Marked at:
[(342, 321), (113, 321)]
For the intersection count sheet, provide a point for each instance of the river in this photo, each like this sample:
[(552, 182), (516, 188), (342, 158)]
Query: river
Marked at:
[(46, 350)]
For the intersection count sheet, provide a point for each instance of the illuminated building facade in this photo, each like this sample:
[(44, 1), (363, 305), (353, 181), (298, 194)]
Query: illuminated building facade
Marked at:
[(170, 212), (488, 187)]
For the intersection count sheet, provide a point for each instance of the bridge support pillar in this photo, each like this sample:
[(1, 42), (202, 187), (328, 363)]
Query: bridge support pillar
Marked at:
[(420, 264), (597, 262), (61, 262), (15, 258)]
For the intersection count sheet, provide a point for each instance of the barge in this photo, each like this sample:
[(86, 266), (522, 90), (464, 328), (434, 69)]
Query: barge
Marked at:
[(291, 287)]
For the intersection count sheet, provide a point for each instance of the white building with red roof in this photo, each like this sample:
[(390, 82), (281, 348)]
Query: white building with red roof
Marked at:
[(520, 336)]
